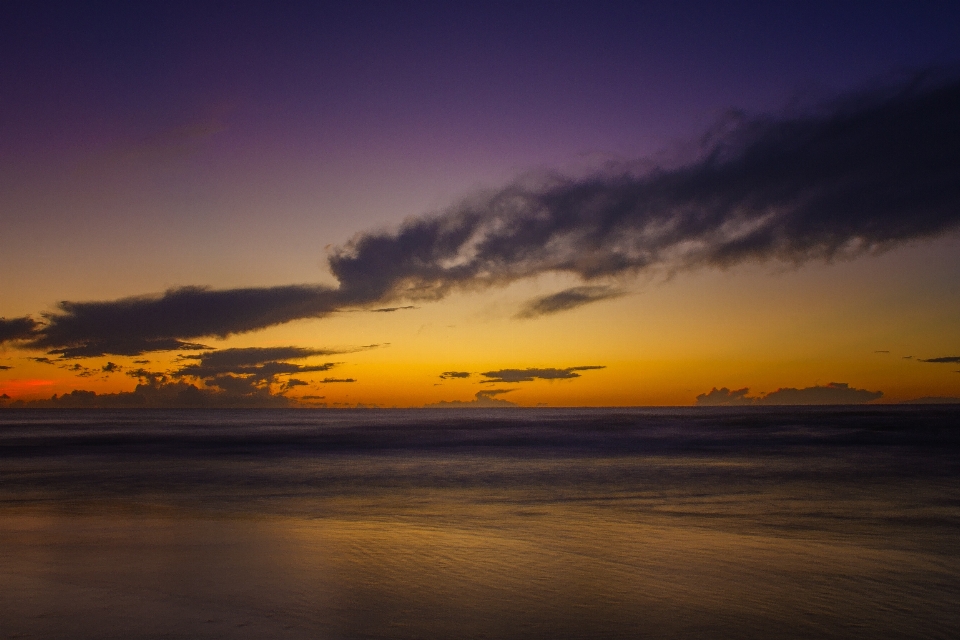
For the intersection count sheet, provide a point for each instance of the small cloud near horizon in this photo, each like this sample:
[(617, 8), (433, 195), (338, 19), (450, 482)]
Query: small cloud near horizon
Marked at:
[(832, 393), (485, 399)]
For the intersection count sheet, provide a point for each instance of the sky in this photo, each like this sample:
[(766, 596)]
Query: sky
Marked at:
[(409, 204)]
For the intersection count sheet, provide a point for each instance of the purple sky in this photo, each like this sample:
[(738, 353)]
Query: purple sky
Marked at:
[(355, 114), (231, 145)]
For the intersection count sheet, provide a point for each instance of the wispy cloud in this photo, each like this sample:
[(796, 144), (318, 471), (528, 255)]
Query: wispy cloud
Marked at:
[(567, 299), (392, 309), (943, 359), (529, 375)]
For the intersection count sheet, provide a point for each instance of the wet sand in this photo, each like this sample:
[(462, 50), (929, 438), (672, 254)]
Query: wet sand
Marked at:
[(793, 540)]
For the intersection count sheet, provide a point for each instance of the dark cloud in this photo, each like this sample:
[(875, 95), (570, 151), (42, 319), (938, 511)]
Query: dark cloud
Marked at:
[(446, 375), (861, 174), (327, 380), (141, 362), (248, 384), (943, 359), (724, 397), (111, 367), (122, 347), (231, 360), (4, 367), (529, 375), (17, 329), (236, 385), (43, 360), (79, 370), (567, 299), (482, 400), (132, 326), (149, 378), (832, 393), (261, 372), (294, 382), (881, 351), (252, 369), (239, 372)]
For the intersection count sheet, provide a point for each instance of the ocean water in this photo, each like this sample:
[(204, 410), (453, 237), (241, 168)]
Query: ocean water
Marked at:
[(533, 523)]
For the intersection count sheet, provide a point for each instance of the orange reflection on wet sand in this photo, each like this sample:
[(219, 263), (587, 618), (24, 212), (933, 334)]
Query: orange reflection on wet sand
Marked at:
[(454, 568)]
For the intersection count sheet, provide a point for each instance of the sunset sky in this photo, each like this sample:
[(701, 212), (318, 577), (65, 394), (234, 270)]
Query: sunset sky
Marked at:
[(400, 204)]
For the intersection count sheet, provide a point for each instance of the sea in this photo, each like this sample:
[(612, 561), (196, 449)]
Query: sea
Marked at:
[(757, 522)]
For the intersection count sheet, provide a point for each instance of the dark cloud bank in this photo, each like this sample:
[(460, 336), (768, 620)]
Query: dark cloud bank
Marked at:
[(832, 393), (174, 394), (862, 174), (136, 325), (244, 377), (252, 371)]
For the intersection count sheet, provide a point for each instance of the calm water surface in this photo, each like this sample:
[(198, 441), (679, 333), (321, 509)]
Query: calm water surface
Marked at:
[(678, 523)]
